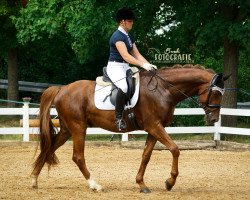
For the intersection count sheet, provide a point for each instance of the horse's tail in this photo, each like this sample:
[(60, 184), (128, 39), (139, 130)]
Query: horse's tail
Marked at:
[(47, 129)]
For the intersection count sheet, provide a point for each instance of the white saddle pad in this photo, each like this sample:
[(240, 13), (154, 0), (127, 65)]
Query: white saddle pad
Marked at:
[(102, 91)]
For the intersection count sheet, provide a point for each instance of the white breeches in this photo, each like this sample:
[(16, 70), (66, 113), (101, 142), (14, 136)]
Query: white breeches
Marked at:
[(117, 73)]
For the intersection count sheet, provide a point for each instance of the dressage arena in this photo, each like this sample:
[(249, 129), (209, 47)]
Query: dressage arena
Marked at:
[(204, 174)]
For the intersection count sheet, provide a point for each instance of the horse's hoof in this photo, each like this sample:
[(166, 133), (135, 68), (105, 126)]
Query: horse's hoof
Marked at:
[(97, 190), (34, 182), (145, 191), (168, 186), (34, 185)]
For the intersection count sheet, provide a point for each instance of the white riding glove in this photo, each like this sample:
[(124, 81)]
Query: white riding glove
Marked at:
[(148, 66), (154, 66)]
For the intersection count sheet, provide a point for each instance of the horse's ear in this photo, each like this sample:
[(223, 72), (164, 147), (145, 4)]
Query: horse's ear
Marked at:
[(226, 77)]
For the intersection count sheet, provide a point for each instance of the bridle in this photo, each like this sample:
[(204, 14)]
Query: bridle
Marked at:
[(212, 87)]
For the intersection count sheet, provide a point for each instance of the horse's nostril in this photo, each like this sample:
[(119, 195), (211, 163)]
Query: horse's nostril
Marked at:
[(214, 120)]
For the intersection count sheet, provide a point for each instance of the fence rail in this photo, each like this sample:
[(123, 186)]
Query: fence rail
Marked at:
[(27, 86), (25, 112)]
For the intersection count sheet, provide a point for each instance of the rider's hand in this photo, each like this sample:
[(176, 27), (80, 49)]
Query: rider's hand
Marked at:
[(154, 66), (148, 66)]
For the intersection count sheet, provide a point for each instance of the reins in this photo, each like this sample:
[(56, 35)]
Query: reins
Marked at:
[(154, 74), (210, 88)]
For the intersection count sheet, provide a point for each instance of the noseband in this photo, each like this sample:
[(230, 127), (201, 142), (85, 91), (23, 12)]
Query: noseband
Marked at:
[(212, 87)]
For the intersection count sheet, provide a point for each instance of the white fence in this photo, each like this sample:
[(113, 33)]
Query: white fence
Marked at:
[(217, 129)]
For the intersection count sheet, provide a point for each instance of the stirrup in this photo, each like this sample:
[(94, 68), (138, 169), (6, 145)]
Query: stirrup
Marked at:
[(121, 125)]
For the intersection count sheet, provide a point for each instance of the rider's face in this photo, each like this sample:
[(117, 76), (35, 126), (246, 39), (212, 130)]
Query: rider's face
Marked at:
[(127, 24)]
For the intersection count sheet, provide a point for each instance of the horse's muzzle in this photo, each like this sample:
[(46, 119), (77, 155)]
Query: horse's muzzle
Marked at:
[(210, 119)]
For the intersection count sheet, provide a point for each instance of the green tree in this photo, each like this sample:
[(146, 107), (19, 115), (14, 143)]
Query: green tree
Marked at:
[(211, 25), (84, 26), (8, 43)]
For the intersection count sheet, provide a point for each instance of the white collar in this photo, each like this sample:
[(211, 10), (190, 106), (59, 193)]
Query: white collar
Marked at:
[(122, 30)]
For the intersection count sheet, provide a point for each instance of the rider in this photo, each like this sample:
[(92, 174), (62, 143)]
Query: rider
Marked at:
[(123, 51)]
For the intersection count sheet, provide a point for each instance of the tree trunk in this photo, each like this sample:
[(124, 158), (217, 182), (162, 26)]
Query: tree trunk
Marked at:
[(231, 56), (23, 3), (12, 76)]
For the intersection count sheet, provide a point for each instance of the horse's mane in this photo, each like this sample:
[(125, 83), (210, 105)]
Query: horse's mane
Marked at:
[(197, 66)]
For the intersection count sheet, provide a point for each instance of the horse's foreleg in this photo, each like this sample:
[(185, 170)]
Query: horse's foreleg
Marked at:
[(161, 135), (149, 145), (170, 182), (60, 139), (78, 158)]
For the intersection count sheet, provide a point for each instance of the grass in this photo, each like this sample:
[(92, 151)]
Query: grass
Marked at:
[(10, 121), (12, 137)]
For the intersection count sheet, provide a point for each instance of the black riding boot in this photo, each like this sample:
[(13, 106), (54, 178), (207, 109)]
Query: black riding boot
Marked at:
[(119, 108)]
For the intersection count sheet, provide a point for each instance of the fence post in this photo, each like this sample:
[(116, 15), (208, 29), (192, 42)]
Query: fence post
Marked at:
[(124, 137), (217, 126), (26, 102)]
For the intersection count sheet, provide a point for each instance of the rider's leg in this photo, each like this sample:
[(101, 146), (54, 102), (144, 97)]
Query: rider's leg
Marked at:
[(119, 107), (117, 73)]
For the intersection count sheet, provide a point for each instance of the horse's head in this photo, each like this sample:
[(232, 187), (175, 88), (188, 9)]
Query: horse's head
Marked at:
[(210, 97)]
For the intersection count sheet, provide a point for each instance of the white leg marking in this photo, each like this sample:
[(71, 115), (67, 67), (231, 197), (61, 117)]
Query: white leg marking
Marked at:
[(94, 185), (34, 181)]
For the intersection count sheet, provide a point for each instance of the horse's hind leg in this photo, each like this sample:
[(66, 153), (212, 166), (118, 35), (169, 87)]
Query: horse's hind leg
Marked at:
[(60, 139), (78, 135)]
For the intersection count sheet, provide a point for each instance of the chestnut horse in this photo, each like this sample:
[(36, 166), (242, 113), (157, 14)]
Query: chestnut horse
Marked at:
[(160, 91)]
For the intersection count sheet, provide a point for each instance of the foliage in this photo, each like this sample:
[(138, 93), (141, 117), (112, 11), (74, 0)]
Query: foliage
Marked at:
[(199, 27), (64, 41), (52, 62), (209, 22), (84, 26), (244, 76), (70, 35), (7, 28)]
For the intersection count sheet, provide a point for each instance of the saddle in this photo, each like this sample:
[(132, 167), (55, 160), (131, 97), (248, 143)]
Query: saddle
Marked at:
[(131, 78)]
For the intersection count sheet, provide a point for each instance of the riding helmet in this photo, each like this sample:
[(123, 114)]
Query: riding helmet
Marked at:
[(124, 13)]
